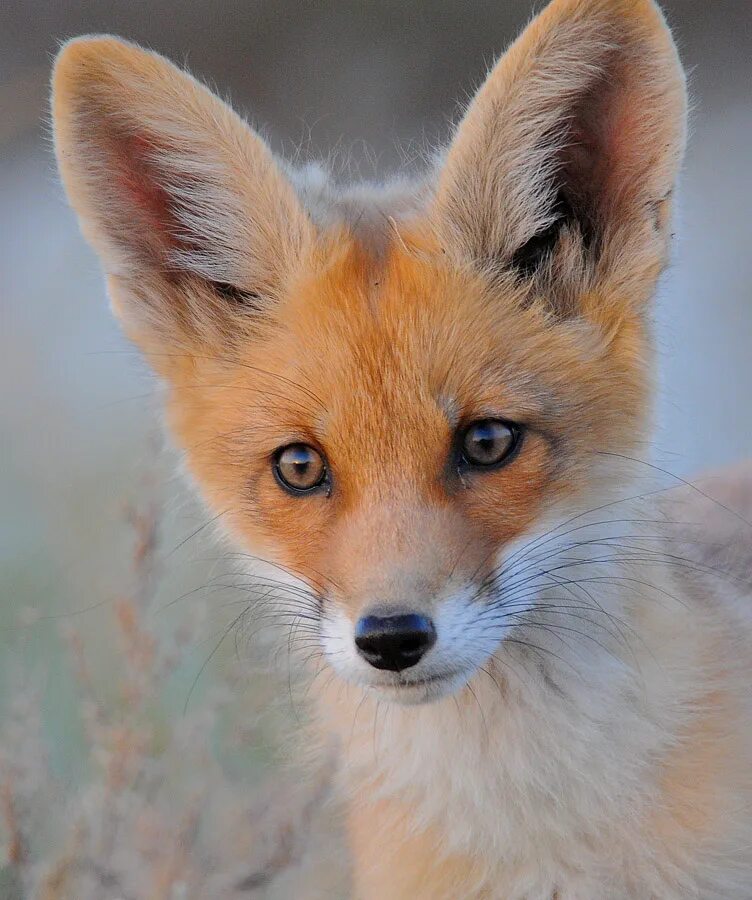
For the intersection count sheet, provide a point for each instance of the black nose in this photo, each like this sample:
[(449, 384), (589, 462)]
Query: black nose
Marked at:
[(394, 642)]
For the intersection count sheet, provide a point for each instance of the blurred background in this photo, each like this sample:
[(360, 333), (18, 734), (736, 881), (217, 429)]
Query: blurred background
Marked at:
[(375, 81)]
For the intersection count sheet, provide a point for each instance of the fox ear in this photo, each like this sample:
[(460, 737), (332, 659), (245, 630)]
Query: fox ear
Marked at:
[(192, 218), (564, 163)]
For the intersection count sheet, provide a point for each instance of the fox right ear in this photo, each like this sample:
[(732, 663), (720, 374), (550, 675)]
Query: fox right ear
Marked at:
[(195, 223), (564, 164)]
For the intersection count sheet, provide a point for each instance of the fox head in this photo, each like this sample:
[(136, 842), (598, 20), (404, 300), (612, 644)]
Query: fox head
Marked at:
[(387, 394)]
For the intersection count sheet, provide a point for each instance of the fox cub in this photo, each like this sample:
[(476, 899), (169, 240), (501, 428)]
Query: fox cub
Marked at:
[(423, 407)]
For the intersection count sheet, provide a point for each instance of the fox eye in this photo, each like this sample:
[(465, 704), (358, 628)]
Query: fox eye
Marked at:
[(489, 442), (299, 468)]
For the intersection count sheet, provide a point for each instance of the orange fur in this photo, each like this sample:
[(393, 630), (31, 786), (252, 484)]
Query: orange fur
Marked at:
[(388, 850)]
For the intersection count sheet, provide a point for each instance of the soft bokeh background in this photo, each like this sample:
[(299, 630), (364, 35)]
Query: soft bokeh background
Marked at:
[(377, 81)]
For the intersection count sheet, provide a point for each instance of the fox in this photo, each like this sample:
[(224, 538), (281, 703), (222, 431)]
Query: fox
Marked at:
[(422, 405)]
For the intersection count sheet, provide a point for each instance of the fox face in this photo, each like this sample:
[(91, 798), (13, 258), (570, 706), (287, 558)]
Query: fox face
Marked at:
[(389, 395)]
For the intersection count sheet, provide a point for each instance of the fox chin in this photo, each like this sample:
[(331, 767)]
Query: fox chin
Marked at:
[(424, 405)]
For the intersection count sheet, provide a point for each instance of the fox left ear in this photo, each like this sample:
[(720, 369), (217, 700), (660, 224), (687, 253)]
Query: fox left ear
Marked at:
[(562, 170)]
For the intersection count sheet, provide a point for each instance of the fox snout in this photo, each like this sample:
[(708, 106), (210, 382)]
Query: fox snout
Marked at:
[(407, 618)]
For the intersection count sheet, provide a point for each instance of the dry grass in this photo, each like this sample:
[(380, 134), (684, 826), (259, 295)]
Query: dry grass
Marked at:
[(160, 814)]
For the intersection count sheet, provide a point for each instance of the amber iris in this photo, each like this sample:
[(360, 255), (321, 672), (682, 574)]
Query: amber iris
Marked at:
[(299, 468), (488, 442)]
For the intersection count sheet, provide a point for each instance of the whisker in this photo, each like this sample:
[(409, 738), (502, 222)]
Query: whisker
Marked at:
[(209, 658), (681, 481)]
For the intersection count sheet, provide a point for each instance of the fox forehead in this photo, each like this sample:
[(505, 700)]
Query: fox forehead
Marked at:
[(411, 342)]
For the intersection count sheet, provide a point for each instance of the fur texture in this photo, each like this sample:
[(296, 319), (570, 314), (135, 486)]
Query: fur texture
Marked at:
[(581, 728)]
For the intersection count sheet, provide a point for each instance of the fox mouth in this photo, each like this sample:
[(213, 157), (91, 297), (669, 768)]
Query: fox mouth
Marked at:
[(424, 689)]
